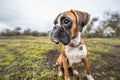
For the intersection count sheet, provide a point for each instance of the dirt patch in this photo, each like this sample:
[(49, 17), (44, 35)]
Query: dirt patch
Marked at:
[(117, 46), (52, 56), (108, 68)]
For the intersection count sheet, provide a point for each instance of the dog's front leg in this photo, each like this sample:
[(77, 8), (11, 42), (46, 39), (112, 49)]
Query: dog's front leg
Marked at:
[(59, 63), (86, 66), (65, 66)]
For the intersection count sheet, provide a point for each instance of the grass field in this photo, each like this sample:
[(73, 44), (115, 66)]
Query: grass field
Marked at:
[(32, 58)]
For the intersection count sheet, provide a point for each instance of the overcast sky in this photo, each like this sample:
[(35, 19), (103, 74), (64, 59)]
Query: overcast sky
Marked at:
[(39, 14)]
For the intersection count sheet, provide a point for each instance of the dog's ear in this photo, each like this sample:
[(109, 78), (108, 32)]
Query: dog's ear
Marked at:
[(82, 19)]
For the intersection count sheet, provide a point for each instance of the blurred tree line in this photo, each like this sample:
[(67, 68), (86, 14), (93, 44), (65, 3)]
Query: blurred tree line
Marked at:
[(107, 27), (27, 32)]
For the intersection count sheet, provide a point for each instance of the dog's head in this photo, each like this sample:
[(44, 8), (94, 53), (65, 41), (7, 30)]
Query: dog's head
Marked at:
[(67, 25)]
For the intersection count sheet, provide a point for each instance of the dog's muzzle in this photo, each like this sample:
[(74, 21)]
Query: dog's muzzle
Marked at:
[(53, 38), (59, 34)]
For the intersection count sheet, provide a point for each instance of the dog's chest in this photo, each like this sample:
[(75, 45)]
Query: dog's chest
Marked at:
[(75, 54)]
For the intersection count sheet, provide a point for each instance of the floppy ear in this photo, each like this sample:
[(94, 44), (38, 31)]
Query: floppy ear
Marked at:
[(82, 19)]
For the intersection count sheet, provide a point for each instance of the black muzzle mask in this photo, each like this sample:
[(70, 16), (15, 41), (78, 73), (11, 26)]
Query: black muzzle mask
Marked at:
[(61, 33)]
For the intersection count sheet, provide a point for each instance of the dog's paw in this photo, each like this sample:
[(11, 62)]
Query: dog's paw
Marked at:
[(89, 77), (68, 78), (60, 73), (75, 72), (56, 65)]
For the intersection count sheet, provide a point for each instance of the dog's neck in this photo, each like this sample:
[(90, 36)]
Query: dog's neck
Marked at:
[(76, 41)]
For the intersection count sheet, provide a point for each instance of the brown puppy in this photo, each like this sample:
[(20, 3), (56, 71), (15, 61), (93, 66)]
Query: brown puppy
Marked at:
[(67, 30)]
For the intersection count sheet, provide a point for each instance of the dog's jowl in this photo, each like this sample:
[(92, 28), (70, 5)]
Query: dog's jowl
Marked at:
[(67, 30)]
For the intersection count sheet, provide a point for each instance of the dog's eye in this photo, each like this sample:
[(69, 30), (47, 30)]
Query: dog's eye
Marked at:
[(66, 21)]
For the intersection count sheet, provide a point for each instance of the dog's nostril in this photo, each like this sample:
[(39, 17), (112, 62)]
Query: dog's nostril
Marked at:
[(55, 27)]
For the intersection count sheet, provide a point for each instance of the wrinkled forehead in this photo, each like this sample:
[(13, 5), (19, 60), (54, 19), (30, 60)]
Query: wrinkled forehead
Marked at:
[(62, 16), (58, 19)]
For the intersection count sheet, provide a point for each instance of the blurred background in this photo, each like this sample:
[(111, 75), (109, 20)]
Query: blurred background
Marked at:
[(23, 17)]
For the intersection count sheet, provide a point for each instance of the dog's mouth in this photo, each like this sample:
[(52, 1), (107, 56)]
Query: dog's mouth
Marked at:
[(56, 41), (60, 40), (53, 38)]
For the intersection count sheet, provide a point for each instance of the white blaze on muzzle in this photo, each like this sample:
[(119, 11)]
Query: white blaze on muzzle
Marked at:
[(58, 20), (53, 38)]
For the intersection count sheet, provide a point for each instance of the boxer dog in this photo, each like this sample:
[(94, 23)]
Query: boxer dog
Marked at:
[(67, 30)]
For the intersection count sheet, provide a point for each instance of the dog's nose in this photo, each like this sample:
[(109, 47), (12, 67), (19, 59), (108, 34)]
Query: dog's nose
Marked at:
[(52, 34), (55, 27), (52, 37)]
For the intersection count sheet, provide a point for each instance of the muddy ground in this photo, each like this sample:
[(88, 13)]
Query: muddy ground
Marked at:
[(107, 67)]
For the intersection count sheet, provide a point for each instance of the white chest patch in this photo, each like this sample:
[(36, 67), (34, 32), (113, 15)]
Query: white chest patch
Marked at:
[(75, 54)]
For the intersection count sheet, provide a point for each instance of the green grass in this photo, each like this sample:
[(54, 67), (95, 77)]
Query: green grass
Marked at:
[(24, 58)]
